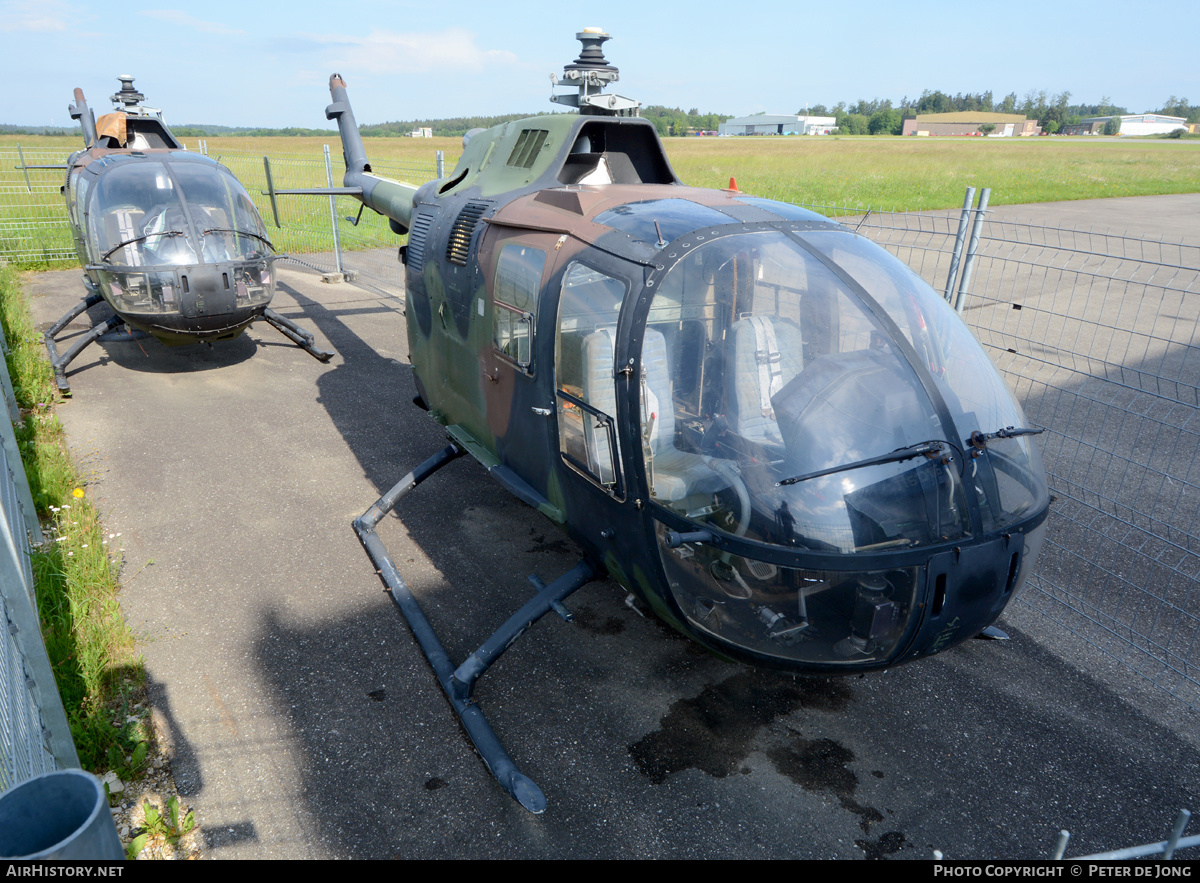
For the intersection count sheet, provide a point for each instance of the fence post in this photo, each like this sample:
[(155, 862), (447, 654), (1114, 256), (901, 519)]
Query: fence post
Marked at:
[(964, 285), (24, 168), (271, 191), (441, 164), (337, 241), (959, 239)]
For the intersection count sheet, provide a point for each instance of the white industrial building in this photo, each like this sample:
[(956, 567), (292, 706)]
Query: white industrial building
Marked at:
[(778, 124), (1131, 124)]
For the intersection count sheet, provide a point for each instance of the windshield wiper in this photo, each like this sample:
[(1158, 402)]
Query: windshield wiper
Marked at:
[(979, 440), (928, 448), (239, 233), (104, 257)]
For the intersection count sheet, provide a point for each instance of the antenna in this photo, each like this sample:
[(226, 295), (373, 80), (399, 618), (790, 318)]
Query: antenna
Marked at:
[(589, 74)]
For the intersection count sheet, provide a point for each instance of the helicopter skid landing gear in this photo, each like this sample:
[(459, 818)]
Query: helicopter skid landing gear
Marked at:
[(296, 335), (59, 363), (459, 682)]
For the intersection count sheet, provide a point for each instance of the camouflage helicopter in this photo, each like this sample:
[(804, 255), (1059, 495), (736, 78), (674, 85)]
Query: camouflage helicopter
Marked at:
[(761, 423), (168, 238)]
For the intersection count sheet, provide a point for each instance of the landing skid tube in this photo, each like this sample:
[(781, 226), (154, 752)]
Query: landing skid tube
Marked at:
[(296, 335), (60, 362), (459, 682)]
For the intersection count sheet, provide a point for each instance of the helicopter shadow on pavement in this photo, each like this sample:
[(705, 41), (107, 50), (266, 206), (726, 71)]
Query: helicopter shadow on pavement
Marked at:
[(138, 351)]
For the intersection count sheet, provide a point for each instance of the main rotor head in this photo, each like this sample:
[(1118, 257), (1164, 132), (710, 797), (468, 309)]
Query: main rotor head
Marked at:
[(589, 74)]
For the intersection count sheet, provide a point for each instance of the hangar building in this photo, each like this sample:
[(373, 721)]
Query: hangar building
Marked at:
[(778, 124), (1008, 125), (1131, 124)]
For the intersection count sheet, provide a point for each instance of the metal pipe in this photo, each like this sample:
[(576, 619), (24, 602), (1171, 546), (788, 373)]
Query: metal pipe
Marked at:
[(337, 240), (1164, 847), (1176, 833), (1064, 837), (271, 191), (959, 238), (964, 285), (24, 168)]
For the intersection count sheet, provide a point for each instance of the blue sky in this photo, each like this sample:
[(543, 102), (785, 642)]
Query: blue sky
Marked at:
[(268, 63)]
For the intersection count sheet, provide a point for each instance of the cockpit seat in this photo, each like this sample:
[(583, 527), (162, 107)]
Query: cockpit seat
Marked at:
[(600, 392), (673, 474), (765, 353), (123, 224)]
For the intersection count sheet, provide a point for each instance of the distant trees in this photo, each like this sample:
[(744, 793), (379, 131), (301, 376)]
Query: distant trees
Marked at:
[(1180, 107), (940, 102), (673, 122), (454, 127), (850, 123), (886, 121)]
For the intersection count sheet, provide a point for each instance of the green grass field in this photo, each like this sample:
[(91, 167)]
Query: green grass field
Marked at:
[(886, 173), (909, 174)]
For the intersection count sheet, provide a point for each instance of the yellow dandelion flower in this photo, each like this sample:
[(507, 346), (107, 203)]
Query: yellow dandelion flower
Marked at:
[(78, 492)]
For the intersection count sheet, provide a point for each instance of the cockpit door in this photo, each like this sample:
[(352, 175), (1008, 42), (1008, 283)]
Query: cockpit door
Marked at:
[(517, 366), (586, 375)]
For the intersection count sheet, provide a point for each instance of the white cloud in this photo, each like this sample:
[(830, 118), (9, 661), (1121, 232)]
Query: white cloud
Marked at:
[(450, 51), (40, 16), (183, 20)]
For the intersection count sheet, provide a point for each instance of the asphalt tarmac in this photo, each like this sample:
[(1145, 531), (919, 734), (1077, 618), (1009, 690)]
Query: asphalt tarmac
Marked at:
[(306, 723)]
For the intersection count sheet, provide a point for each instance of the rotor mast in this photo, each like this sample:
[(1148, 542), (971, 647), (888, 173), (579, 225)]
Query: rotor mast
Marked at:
[(589, 74)]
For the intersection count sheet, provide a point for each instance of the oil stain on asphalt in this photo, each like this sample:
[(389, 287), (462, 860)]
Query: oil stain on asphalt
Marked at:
[(715, 731)]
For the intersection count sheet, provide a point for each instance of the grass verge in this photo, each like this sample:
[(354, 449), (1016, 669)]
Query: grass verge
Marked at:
[(91, 650)]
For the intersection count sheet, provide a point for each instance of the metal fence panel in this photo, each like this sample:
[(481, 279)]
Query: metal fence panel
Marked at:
[(34, 735), (1098, 336), (33, 218)]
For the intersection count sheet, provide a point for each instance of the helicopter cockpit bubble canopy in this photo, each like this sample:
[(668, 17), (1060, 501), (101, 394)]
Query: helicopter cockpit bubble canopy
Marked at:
[(819, 413), (152, 225)]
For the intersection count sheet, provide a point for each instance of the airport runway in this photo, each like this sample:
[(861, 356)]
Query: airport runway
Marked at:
[(307, 724)]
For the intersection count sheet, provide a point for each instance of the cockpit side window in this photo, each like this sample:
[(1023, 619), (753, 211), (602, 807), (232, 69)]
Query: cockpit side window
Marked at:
[(517, 281), (587, 400)]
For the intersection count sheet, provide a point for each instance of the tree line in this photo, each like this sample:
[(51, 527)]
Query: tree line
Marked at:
[(875, 117), (1052, 112), (881, 117)]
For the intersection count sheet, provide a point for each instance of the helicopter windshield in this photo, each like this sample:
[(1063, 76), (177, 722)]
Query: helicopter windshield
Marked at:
[(146, 213), (801, 396), (151, 225), (814, 393)]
